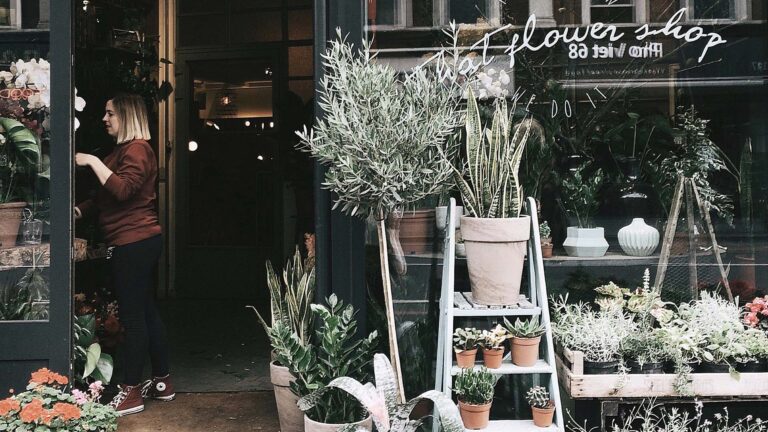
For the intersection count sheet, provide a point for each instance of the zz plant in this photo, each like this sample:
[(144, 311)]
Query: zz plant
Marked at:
[(338, 352), (578, 195)]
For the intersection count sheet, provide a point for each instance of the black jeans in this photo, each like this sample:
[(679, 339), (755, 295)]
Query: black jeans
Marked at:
[(133, 268)]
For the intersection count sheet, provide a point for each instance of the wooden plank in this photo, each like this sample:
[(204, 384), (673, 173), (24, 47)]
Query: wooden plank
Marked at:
[(507, 368), (26, 256), (516, 426), (693, 273), (669, 235), (704, 209)]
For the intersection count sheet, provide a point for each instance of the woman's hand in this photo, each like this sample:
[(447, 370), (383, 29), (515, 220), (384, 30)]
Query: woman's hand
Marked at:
[(83, 159)]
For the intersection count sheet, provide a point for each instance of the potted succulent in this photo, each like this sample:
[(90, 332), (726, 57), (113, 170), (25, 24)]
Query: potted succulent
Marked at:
[(386, 415), (526, 336), (290, 304), (542, 407), (493, 346), (546, 240), (494, 232), (338, 352), (385, 141), (578, 198), (474, 388), (465, 341)]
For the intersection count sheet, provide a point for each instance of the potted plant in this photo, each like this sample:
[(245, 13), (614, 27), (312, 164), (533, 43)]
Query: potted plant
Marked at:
[(290, 302), (474, 388), (526, 336), (597, 334), (19, 176), (392, 416), (755, 359), (385, 143), (645, 352), (546, 240), (493, 346), (46, 406), (338, 352), (494, 232), (542, 407), (578, 197), (465, 342)]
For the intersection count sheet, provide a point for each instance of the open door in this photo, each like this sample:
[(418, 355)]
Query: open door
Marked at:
[(36, 264)]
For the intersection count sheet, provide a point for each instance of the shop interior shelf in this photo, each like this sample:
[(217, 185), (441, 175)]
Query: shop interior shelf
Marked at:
[(516, 426)]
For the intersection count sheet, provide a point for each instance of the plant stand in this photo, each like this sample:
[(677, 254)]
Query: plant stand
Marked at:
[(459, 304)]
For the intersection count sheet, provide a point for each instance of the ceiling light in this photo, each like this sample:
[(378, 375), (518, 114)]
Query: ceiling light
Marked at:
[(192, 146)]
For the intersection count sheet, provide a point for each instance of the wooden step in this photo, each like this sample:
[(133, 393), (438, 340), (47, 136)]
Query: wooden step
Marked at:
[(464, 306), (515, 426), (507, 368)]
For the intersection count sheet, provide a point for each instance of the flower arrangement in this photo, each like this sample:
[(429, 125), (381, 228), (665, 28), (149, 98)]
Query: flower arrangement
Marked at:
[(46, 407), (756, 313)]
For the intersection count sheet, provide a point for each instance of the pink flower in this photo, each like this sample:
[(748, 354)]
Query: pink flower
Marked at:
[(751, 319), (80, 397)]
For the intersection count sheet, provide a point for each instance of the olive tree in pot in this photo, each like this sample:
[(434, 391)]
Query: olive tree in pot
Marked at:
[(494, 232), (385, 143), (474, 388), (579, 199), (290, 305)]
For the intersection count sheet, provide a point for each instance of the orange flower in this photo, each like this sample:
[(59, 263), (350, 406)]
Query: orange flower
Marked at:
[(47, 417), (45, 376), (32, 411), (66, 411), (8, 405)]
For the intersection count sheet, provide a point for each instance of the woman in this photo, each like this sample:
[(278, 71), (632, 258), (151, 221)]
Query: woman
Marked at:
[(128, 219)]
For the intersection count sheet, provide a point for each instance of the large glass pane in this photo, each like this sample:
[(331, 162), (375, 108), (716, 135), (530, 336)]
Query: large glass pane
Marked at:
[(468, 11), (713, 9), (24, 173), (5, 12)]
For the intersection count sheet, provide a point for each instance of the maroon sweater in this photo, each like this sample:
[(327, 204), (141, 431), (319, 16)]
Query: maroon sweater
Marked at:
[(126, 202)]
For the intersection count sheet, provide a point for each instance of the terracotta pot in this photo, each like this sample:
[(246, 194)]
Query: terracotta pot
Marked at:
[(542, 417), (313, 426), (475, 416), (417, 231), (10, 219), (546, 250), (525, 351), (466, 358), (496, 250), (291, 417), (492, 357)]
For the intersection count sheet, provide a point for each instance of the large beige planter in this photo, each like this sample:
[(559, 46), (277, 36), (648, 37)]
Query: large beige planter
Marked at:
[(496, 250), (291, 417), (10, 220), (313, 426)]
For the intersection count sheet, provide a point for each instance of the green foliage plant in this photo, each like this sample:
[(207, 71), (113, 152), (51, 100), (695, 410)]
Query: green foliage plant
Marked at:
[(538, 397), (27, 298), (290, 301), (335, 351), (494, 338), (90, 363), (489, 181), (475, 386), (21, 153), (466, 339), (545, 232), (384, 139), (578, 194), (527, 329), (381, 401)]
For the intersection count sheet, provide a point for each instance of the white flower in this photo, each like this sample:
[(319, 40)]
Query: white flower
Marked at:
[(77, 123), (79, 102), (21, 80), (503, 77), (6, 76), (491, 71)]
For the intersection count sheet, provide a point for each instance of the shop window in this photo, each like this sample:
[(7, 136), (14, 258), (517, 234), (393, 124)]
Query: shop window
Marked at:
[(429, 13), (566, 11), (616, 12), (300, 25), (10, 13), (712, 9), (255, 26), (662, 10)]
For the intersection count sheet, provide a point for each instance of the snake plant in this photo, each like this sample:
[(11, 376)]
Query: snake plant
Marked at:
[(489, 182)]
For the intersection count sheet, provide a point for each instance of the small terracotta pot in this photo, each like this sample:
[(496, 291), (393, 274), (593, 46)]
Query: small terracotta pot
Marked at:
[(542, 417), (466, 358), (525, 351), (546, 250), (475, 416), (492, 357)]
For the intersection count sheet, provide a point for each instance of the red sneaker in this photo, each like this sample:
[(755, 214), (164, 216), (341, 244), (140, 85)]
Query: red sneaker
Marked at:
[(159, 388), (128, 400)]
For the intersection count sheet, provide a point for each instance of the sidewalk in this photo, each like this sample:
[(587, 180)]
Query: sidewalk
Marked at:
[(220, 412)]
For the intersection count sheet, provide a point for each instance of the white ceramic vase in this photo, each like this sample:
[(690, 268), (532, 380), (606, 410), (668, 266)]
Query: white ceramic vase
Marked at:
[(638, 238), (585, 242)]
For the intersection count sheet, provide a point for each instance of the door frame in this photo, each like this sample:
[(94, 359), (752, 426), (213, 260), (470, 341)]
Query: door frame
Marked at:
[(27, 345), (177, 167)]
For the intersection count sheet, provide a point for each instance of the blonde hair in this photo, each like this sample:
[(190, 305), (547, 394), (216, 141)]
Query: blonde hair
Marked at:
[(131, 112)]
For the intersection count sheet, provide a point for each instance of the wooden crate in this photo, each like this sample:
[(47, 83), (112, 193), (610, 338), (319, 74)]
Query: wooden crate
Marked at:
[(570, 370)]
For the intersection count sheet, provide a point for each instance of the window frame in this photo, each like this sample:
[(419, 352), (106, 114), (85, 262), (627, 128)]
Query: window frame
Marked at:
[(740, 12), (14, 15), (440, 15), (639, 9)]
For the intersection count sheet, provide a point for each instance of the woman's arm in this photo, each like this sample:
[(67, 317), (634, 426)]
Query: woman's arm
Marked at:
[(98, 167)]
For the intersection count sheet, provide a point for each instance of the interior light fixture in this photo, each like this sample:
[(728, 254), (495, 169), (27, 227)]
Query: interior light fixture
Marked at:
[(247, 123), (209, 123), (260, 157), (216, 126), (271, 124), (192, 146), (225, 100)]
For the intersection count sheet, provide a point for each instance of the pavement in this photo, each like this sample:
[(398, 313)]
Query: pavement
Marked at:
[(198, 412)]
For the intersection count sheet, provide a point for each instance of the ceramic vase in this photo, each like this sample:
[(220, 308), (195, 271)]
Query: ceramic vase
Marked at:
[(638, 238), (585, 242)]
